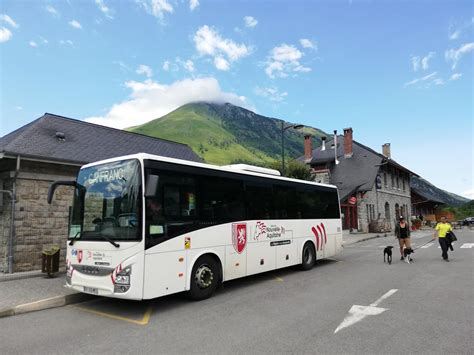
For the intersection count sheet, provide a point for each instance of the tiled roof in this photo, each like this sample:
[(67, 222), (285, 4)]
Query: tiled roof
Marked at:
[(356, 173), (85, 142)]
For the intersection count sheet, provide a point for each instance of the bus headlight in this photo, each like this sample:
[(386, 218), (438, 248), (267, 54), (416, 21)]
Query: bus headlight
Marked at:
[(122, 280)]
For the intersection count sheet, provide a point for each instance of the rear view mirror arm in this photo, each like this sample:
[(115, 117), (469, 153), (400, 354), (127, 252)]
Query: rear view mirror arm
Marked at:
[(54, 185)]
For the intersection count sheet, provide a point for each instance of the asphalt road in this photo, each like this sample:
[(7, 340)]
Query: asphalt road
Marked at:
[(429, 310)]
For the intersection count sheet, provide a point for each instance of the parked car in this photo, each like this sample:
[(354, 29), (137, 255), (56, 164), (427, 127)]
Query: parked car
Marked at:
[(468, 221)]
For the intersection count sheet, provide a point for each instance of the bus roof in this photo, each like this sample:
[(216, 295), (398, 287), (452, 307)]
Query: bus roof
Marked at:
[(144, 156)]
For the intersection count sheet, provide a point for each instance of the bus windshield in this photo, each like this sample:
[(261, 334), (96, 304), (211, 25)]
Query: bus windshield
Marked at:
[(107, 203)]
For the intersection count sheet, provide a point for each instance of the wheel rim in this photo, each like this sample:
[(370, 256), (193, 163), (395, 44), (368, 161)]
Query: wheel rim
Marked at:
[(204, 276), (307, 255)]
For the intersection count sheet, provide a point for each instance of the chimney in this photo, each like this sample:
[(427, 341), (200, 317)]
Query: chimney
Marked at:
[(323, 143), (308, 147), (347, 142), (386, 150), (335, 147)]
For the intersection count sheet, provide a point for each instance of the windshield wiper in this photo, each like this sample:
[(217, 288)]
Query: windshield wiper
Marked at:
[(110, 240), (77, 236)]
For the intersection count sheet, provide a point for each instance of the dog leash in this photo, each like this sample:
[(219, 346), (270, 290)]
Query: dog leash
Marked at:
[(430, 241)]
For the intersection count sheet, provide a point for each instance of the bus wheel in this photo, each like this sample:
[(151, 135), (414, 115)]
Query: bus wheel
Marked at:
[(308, 257), (204, 278)]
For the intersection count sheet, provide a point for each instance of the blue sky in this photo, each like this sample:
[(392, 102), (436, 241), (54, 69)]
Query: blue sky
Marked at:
[(394, 71)]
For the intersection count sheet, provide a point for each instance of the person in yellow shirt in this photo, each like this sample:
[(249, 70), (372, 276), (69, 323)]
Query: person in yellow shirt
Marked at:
[(442, 228)]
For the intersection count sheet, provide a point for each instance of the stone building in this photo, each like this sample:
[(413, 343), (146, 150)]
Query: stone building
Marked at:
[(374, 190), (48, 149)]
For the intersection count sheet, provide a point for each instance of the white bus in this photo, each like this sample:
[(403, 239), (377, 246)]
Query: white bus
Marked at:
[(144, 226)]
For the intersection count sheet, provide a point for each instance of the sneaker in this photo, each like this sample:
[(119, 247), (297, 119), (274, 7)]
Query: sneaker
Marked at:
[(401, 258), (410, 259), (447, 260)]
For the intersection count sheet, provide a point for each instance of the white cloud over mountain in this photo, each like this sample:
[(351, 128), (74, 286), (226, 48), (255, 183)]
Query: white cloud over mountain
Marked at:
[(150, 99)]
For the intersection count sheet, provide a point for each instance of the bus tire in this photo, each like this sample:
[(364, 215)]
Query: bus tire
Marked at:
[(205, 278), (308, 256)]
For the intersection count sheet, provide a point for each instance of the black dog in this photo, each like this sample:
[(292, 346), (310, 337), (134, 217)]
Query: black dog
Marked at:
[(406, 254), (388, 251)]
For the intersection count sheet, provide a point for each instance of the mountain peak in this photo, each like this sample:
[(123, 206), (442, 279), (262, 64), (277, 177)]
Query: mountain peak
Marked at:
[(223, 133)]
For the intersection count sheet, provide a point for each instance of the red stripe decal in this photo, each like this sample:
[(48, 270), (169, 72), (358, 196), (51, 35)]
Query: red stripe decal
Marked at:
[(320, 232), (317, 237), (325, 237)]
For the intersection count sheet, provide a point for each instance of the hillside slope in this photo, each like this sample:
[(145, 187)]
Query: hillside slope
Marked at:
[(430, 191), (224, 133)]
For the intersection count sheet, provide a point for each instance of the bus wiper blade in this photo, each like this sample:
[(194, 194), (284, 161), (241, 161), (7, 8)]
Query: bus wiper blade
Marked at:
[(73, 239), (110, 241)]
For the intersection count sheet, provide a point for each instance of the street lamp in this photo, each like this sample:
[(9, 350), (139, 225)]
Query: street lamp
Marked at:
[(283, 129)]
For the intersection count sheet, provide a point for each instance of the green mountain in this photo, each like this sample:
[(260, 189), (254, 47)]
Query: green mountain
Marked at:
[(224, 133)]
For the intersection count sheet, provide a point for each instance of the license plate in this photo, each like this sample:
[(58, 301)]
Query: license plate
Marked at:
[(92, 290)]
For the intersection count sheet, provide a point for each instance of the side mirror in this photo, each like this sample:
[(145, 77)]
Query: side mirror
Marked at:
[(151, 185)]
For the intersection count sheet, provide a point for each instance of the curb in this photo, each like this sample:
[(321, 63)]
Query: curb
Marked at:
[(26, 275), (52, 302), (363, 239)]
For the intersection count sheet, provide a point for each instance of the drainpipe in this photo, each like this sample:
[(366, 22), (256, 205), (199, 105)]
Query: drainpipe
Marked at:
[(12, 218)]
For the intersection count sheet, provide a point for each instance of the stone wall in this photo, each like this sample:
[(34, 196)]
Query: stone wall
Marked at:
[(38, 225), (376, 199)]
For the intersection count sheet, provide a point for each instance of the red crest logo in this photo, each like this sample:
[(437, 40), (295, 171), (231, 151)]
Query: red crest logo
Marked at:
[(239, 236), (79, 256)]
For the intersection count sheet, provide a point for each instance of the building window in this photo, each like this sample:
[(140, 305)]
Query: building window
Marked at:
[(397, 211), (387, 211), (385, 179), (393, 179), (403, 182)]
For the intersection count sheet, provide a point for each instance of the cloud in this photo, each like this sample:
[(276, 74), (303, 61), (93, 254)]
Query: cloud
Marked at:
[(421, 62), (423, 79), (33, 44), (66, 42), (306, 43), (209, 42), (193, 4), (157, 8), (271, 93), (107, 11), (150, 100), (145, 70), (425, 60), (415, 61), (8, 20), (187, 65), (455, 76), (75, 24), (221, 63), (283, 60), (166, 65), (250, 21), (455, 34), (454, 55), (52, 10), (5, 34)]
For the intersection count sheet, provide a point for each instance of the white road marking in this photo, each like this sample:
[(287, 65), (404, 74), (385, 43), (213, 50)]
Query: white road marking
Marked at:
[(467, 246), (357, 313)]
